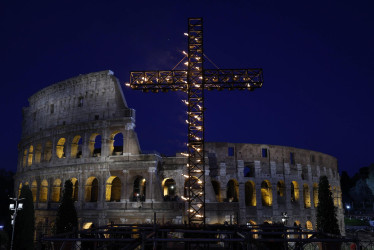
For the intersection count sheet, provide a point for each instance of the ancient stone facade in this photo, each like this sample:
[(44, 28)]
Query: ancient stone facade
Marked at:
[(82, 129)]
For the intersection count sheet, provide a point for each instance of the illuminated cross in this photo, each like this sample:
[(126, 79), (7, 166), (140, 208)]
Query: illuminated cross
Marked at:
[(194, 81)]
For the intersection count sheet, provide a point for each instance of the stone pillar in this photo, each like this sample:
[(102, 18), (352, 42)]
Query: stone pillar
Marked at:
[(105, 142), (67, 147), (318, 172), (150, 190), (257, 169), (222, 169), (81, 191), (274, 194), (309, 172), (102, 189), (242, 207), (125, 190), (85, 144), (299, 170), (273, 169)]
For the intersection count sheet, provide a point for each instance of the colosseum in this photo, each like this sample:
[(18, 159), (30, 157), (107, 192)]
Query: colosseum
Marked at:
[(82, 129)]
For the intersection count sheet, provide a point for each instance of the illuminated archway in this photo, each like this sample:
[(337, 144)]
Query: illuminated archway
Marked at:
[(253, 224), (43, 194), (95, 145), (306, 193), (19, 189), (266, 193), (169, 189), (56, 190), (76, 147), (335, 196), (38, 153), (75, 189), (91, 189), (232, 192), (294, 191), (217, 190), (48, 151), (60, 148), (250, 194), (113, 189), (24, 160), (315, 194), (34, 190), (139, 191), (309, 226), (31, 154), (116, 144)]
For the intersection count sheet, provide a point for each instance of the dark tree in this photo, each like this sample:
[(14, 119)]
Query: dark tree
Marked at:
[(25, 222), (326, 211), (66, 220), (346, 185), (361, 193), (6, 191)]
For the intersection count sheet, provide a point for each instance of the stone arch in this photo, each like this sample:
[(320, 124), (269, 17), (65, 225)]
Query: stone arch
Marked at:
[(48, 151), (281, 189), (56, 190), (315, 194), (250, 194), (116, 143), (24, 160), (87, 225), (91, 189), (34, 190), (30, 156), (169, 189), (38, 153), (74, 195), (217, 190), (60, 148), (43, 192), (266, 193), (294, 191), (113, 189), (309, 226), (95, 145), (232, 191), (76, 147), (252, 224), (139, 190), (306, 193)]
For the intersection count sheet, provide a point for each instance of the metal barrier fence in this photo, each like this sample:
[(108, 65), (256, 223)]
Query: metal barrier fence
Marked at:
[(131, 236)]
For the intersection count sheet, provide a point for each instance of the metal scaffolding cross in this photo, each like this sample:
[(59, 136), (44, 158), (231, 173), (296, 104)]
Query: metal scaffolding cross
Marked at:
[(194, 81)]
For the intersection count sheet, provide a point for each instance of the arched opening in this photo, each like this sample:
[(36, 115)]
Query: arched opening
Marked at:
[(95, 145), (339, 197), (116, 146), (169, 189), (60, 148), (34, 190), (38, 153), (139, 189), (24, 160), (306, 193), (48, 151), (56, 190), (309, 226), (294, 191), (76, 147), (252, 225), (87, 225), (113, 189), (315, 194), (217, 190), (31, 155), (266, 193), (91, 189), (232, 192), (281, 189), (74, 195), (250, 194), (43, 195)]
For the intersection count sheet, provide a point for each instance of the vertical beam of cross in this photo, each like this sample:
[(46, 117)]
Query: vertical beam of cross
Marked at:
[(195, 97), (194, 81)]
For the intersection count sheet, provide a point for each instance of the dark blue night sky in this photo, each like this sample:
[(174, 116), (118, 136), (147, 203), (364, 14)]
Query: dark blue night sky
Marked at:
[(317, 58)]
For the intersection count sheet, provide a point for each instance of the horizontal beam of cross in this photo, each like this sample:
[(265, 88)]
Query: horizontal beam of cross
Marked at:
[(214, 79)]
